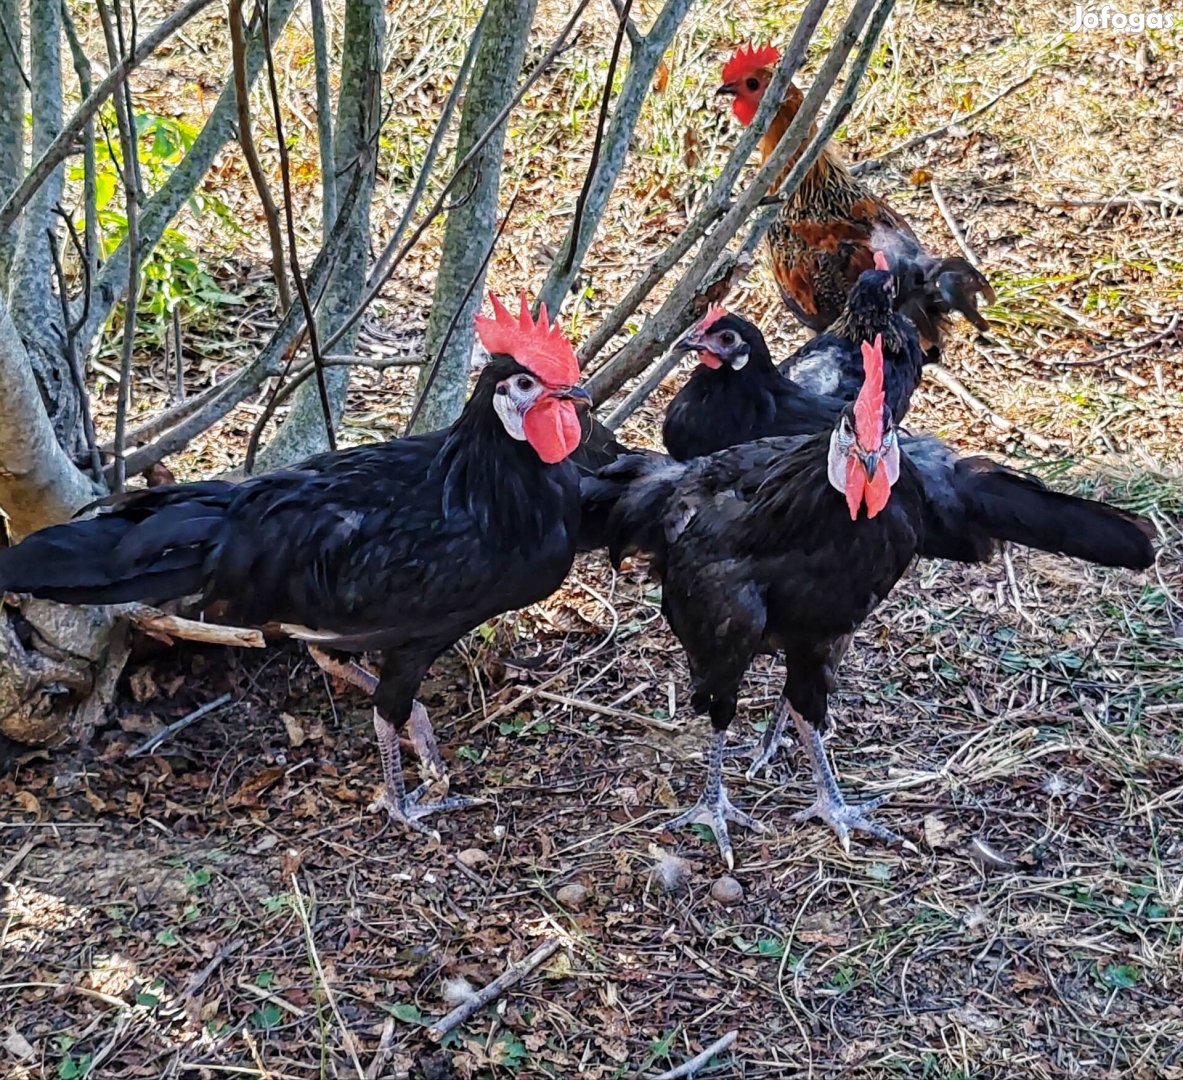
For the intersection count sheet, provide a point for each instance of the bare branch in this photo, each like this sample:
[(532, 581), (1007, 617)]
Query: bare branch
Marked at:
[(548, 58), (603, 175), (324, 115), (246, 140), (12, 132), (89, 253), (477, 276), (60, 148), (290, 220)]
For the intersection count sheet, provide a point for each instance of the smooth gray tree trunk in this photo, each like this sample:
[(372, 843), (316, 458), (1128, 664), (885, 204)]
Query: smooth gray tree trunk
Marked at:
[(359, 106), (12, 125), (472, 225)]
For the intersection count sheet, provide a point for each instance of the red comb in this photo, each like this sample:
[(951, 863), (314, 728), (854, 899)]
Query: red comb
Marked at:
[(868, 407), (749, 58), (714, 313), (538, 346), (881, 261)]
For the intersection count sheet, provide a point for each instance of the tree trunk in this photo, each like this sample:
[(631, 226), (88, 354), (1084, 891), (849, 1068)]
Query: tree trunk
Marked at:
[(359, 112), (12, 124), (472, 225)]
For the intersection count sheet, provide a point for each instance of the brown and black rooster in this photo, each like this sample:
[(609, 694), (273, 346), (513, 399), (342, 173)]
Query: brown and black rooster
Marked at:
[(401, 548), (828, 231)]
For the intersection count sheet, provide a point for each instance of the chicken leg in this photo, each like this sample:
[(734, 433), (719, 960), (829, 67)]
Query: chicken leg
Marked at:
[(403, 806), (714, 808), (419, 729), (829, 805)]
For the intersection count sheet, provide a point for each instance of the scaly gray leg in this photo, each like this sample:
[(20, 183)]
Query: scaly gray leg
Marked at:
[(714, 808), (829, 805), (402, 806), (419, 729)]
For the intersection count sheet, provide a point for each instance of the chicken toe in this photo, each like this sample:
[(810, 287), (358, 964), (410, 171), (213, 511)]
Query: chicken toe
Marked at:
[(714, 808), (843, 817), (402, 806)]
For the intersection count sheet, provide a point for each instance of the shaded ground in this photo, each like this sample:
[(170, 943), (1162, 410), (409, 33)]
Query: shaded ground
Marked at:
[(171, 915)]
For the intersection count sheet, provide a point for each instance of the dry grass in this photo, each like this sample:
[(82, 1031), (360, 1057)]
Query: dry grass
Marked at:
[(1024, 716)]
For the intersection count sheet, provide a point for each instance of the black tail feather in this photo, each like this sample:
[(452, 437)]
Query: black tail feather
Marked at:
[(1016, 507), (627, 499)]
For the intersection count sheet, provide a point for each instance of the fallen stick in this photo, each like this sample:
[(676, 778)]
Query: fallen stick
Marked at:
[(689, 1068), (954, 228), (507, 979), (150, 744), (159, 624), (958, 389)]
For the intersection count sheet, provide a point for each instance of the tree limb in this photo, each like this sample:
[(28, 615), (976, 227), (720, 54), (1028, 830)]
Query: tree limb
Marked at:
[(58, 150), (324, 115), (12, 132), (603, 175), (250, 153)]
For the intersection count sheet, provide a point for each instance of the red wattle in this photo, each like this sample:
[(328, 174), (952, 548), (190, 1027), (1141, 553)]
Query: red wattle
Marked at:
[(856, 479), (709, 359), (552, 428), (744, 109), (877, 492)]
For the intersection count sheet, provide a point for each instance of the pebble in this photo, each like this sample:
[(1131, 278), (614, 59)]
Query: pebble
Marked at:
[(471, 856), (727, 890), (572, 896)]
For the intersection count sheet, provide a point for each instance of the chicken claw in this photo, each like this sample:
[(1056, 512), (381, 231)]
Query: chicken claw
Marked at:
[(714, 808)]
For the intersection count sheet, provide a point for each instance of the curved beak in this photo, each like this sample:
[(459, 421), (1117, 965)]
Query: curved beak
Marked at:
[(575, 394), (691, 341), (870, 463), (726, 88)]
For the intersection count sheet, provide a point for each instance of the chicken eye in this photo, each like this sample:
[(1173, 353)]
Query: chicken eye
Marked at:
[(525, 382), (753, 84), (728, 337)]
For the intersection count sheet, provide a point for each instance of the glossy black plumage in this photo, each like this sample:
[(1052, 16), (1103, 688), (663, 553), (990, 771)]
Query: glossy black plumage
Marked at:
[(720, 407), (832, 362), (401, 547)]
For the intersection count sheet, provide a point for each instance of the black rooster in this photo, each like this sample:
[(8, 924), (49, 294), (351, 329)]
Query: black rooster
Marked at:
[(401, 547), (757, 552)]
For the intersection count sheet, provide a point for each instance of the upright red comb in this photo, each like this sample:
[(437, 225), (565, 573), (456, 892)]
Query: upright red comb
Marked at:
[(749, 58), (714, 313), (868, 406), (538, 346), (881, 261)]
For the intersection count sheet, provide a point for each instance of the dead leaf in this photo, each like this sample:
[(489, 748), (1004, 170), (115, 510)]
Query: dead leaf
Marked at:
[(27, 801), (143, 686), (936, 832), (297, 735), (920, 176), (248, 793), (661, 77)]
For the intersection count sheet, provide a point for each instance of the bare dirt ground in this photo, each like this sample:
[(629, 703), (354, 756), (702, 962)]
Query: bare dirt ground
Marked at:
[(225, 906)]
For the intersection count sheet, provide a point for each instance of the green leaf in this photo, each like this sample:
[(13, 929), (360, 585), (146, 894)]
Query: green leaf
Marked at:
[(149, 1001), (197, 879), (770, 947), (1121, 976), (264, 979), (74, 1068), (167, 937), (104, 187), (266, 1017), (405, 1011)]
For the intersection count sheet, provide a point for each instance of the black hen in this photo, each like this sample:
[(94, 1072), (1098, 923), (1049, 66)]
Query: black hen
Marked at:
[(735, 393), (832, 362), (401, 547)]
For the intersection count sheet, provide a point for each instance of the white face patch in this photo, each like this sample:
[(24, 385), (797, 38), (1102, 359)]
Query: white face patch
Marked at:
[(740, 360), (841, 444), (512, 399)]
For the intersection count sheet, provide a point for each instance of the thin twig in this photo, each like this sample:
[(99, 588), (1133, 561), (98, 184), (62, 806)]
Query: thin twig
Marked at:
[(954, 228), (246, 140), (289, 218), (150, 744), (505, 981), (434, 365), (958, 389), (346, 1034), (178, 354), (935, 133), (164, 626), (324, 115), (1125, 350), (129, 146), (74, 362), (601, 122), (89, 172), (63, 143), (691, 1067), (557, 46)]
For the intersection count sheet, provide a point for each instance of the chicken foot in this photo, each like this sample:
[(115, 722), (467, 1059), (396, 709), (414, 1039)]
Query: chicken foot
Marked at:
[(714, 808), (403, 806), (843, 817), (419, 730)]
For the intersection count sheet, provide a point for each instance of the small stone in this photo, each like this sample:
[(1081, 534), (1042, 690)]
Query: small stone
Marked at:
[(671, 872), (727, 891), (572, 896), (471, 856)]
